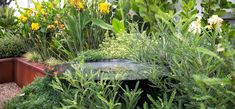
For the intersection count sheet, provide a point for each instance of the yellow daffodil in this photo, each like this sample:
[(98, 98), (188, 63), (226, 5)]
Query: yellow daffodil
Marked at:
[(104, 8), (23, 18), (35, 26), (51, 27)]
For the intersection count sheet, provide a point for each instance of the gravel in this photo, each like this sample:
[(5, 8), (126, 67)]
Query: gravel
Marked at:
[(7, 92)]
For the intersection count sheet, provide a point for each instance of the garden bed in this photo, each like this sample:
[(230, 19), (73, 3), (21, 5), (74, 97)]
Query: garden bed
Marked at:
[(7, 70), (20, 71)]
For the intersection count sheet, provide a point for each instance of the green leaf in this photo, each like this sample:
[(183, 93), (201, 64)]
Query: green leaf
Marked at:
[(118, 25), (208, 52), (102, 24)]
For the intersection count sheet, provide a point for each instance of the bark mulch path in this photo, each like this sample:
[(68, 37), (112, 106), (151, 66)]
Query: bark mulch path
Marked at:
[(7, 92)]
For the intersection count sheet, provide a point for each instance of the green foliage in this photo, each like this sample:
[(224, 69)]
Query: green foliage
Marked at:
[(188, 70), (76, 90), (37, 95), (92, 55), (131, 97), (162, 103), (11, 46), (193, 65), (188, 9), (33, 56), (84, 30), (76, 23), (47, 16), (7, 19), (118, 26), (151, 9), (135, 45), (80, 90), (216, 7), (52, 61)]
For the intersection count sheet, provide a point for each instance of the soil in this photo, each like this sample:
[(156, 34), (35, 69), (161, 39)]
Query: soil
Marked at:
[(7, 92)]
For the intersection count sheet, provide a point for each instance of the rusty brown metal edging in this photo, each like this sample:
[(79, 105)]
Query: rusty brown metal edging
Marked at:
[(20, 71), (6, 70)]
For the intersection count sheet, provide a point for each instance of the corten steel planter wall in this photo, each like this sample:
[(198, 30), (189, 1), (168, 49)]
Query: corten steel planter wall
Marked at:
[(26, 72), (20, 71), (6, 70)]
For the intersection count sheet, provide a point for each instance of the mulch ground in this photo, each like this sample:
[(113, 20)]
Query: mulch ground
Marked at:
[(7, 92)]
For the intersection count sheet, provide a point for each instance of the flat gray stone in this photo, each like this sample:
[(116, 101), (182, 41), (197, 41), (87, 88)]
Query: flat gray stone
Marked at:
[(117, 69)]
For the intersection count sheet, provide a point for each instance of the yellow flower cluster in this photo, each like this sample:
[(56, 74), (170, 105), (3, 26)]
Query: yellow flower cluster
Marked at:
[(51, 26), (77, 3), (61, 26), (104, 8), (23, 18), (35, 26), (56, 22)]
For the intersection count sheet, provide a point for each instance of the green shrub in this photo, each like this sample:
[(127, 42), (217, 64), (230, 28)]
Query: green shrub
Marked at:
[(198, 65), (37, 95), (92, 55), (7, 18), (76, 90), (11, 46)]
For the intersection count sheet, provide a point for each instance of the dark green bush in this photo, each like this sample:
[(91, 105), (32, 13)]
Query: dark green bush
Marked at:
[(11, 46)]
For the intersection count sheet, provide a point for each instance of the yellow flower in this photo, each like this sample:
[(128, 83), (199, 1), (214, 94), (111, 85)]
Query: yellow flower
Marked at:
[(51, 26), (104, 7), (23, 18), (56, 22), (79, 5), (35, 26), (44, 13), (29, 11), (61, 26), (39, 7)]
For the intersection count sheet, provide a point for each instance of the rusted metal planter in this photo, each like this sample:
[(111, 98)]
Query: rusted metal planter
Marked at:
[(26, 72), (6, 70), (20, 71)]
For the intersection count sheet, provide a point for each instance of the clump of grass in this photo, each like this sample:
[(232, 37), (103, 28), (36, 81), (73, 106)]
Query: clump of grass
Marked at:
[(52, 61), (32, 56)]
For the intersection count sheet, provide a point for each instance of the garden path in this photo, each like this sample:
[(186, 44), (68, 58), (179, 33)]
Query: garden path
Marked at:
[(7, 92)]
